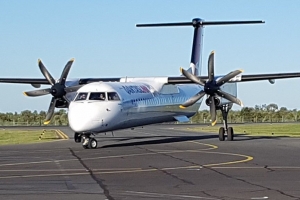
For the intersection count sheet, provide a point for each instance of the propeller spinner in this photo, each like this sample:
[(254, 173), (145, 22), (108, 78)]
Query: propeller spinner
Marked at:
[(58, 90), (211, 88)]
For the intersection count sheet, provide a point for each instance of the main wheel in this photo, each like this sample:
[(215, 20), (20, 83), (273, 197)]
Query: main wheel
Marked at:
[(92, 143), (77, 137), (221, 134), (230, 135)]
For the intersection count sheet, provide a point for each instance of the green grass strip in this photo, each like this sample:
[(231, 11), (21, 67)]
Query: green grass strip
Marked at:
[(9, 136), (291, 130)]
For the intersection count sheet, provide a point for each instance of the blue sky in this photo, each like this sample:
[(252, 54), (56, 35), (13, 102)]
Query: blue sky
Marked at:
[(103, 39)]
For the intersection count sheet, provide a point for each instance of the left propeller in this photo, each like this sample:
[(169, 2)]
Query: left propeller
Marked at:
[(58, 89)]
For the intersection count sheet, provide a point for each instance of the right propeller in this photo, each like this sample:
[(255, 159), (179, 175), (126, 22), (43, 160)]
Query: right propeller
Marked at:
[(58, 88), (211, 88)]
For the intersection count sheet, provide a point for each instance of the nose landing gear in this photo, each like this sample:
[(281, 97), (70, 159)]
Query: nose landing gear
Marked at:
[(88, 142)]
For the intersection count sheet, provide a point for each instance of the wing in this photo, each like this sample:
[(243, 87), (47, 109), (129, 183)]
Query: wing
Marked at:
[(170, 80), (239, 78), (259, 77), (41, 81)]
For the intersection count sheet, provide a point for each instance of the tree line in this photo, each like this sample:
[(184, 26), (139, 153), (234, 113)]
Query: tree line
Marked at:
[(257, 114), (29, 118)]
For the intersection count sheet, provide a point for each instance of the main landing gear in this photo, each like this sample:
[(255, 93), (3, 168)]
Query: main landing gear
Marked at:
[(88, 142), (225, 130)]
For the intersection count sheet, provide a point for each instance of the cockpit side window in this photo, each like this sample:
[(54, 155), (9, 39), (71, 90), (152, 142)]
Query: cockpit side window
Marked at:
[(97, 96), (113, 96), (81, 96)]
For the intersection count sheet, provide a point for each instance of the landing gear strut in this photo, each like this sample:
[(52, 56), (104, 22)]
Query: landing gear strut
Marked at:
[(225, 130), (88, 142)]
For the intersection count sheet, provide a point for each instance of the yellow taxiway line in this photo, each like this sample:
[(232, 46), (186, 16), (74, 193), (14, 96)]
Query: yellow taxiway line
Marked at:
[(61, 134)]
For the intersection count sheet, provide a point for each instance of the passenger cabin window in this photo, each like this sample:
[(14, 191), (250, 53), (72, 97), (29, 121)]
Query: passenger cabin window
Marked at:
[(97, 96), (113, 96), (81, 96)]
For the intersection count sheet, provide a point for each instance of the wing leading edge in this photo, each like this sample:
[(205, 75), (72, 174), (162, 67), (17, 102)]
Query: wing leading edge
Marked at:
[(241, 78), (170, 80)]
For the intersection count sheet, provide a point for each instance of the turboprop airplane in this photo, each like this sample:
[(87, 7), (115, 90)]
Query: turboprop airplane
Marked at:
[(98, 105)]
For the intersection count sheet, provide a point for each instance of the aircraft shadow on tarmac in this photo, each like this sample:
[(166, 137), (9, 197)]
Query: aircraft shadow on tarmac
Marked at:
[(172, 139), (161, 140), (244, 137)]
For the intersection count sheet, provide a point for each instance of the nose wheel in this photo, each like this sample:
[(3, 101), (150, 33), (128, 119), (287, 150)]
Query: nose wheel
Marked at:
[(89, 142)]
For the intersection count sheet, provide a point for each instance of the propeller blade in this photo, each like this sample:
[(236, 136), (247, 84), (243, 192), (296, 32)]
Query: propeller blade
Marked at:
[(192, 77), (193, 99), (211, 66), (227, 77), (65, 72), (229, 97), (72, 88), (36, 93), (50, 111), (45, 72), (213, 110)]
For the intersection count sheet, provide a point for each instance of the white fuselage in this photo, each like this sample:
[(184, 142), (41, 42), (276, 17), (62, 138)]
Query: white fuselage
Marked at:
[(138, 104)]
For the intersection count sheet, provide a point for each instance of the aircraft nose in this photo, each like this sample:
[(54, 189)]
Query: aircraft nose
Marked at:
[(88, 117)]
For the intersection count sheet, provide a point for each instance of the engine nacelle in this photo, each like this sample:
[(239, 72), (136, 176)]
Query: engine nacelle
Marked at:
[(216, 99), (230, 88)]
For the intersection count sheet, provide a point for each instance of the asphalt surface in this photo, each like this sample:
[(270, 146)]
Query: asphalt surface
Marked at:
[(154, 162)]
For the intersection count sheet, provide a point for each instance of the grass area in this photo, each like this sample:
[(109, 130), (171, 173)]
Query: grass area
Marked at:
[(268, 129), (9, 136)]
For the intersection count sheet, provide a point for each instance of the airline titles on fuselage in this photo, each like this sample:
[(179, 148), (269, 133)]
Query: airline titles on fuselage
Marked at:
[(133, 89)]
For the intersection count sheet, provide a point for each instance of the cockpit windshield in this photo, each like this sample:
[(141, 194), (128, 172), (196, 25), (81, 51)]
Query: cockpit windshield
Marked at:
[(113, 96), (81, 96), (97, 96)]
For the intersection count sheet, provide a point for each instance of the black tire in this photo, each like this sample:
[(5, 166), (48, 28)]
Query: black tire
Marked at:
[(230, 134), (85, 146), (77, 137), (92, 143), (221, 134)]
